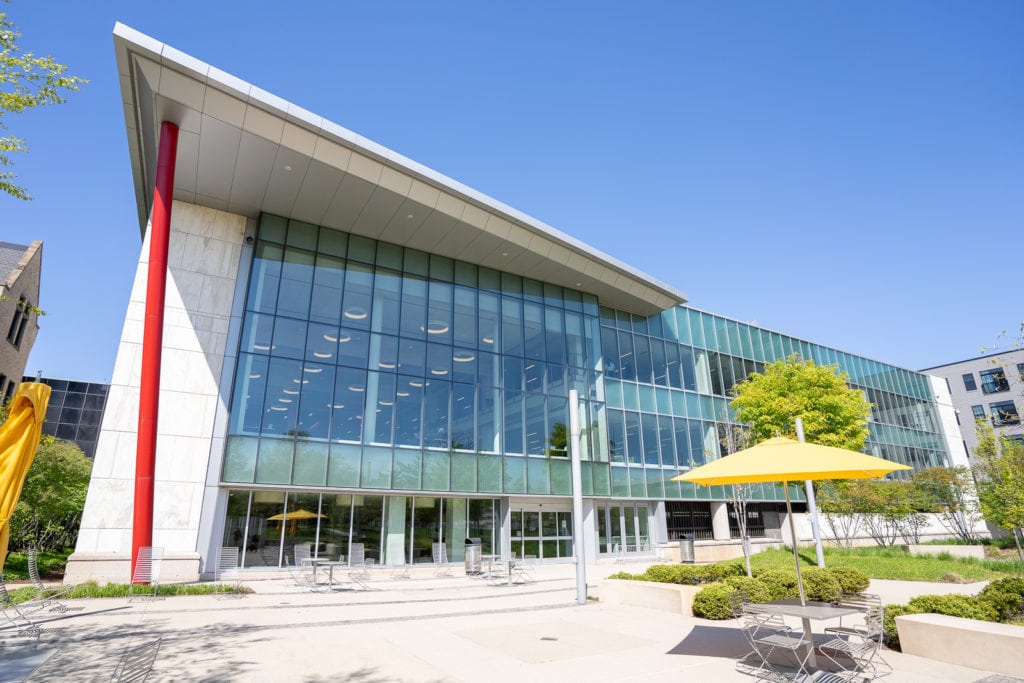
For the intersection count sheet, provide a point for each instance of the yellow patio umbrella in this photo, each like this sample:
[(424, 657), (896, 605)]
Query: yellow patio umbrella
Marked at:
[(19, 439), (294, 517), (784, 460)]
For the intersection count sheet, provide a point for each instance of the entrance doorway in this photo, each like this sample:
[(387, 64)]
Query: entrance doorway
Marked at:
[(543, 532)]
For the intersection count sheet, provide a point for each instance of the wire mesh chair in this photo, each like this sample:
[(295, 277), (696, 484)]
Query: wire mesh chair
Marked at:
[(439, 553), (16, 616), (855, 648), (49, 595), (767, 634), (226, 573), (146, 577)]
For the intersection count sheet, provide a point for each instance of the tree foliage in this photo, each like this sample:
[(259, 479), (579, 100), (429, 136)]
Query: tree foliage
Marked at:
[(833, 414), (999, 475), (950, 493), (50, 509), (26, 81)]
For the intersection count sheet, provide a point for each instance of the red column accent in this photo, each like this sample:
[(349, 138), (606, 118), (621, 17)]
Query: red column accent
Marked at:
[(152, 340)]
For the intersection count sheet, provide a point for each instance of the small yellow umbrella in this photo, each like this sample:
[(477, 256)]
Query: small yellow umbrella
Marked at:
[(19, 439), (294, 517), (785, 460)]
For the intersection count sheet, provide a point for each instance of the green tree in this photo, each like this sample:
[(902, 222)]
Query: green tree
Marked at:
[(999, 476), (950, 492), (833, 414), (50, 509), (26, 81)]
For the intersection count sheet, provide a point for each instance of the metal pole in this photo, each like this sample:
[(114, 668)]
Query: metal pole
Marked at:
[(579, 556), (796, 555), (812, 507), (152, 341)]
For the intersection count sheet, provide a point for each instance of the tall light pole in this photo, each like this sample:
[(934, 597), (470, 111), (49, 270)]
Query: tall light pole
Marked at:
[(577, 498), (812, 507)]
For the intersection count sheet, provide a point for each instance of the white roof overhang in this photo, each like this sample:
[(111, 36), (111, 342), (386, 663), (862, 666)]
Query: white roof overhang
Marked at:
[(245, 151)]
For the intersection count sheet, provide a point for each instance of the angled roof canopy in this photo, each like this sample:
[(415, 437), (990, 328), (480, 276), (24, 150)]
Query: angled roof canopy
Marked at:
[(245, 151)]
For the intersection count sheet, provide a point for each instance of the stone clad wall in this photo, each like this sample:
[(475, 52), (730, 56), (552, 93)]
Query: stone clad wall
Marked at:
[(203, 261)]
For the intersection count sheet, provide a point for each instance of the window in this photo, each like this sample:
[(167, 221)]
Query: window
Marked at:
[(969, 384), (1004, 413), (22, 313), (993, 381), (1020, 371), (979, 412)]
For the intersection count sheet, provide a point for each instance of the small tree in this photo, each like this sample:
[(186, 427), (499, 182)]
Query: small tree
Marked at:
[(999, 473), (50, 509), (840, 509), (950, 491), (735, 438), (833, 414)]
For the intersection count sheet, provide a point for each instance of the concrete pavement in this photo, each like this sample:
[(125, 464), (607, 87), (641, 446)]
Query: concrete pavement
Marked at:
[(421, 629)]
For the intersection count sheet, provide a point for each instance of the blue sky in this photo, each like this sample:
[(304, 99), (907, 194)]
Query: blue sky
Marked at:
[(850, 173)]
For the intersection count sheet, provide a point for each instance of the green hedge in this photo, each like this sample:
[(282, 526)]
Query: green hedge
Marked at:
[(712, 602), (955, 605)]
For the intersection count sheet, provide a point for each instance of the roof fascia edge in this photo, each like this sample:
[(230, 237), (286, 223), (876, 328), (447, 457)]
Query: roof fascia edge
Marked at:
[(129, 42)]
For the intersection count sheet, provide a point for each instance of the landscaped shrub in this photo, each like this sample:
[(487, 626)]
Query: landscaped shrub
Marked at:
[(712, 601), (756, 589), (780, 583), (720, 570), (892, 636), (1006, 596), (627, 576), (851, 580), (661, 573), (821, 585), (955, 606)]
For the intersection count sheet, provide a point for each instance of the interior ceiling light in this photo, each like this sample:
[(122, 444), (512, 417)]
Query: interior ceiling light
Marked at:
[(386, 366), (414, 383), (318, 354), (386, 403), (301, 381), (284, 400), (256, 376), (355, 313), (403, 394), (488, 340), (312, 370), (336, 406), (329, 338), (435, 327), (293, 392), (261, 347), (438, 371), (463, 357), (278, 408), (353, 387)]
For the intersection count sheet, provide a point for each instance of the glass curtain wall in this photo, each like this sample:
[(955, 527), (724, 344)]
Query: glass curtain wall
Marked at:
[(394, 530)]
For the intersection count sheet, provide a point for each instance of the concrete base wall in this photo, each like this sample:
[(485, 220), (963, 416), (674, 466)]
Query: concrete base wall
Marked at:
[(975, 551), (705, 552), (966, 642), (116, 568), (665, 597)]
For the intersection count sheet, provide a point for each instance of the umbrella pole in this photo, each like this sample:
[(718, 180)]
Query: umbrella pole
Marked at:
[(796, 555)]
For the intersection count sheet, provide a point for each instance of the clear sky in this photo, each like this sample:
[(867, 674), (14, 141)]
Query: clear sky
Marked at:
[(850, 173)]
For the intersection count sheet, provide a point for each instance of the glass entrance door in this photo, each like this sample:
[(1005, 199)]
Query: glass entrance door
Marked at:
[(623, 529), (541, 534)]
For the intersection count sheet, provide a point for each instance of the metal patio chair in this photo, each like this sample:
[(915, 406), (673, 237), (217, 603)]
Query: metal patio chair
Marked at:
[(768, 634), (19, 626), (226, 573), (49, 595), (439, 553), (146, 577), (855, 648)]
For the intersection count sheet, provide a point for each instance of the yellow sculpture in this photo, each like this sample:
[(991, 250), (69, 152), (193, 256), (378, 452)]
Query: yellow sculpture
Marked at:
[(19, 439)]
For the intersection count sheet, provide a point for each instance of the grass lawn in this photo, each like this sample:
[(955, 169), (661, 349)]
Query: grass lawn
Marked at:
[(51, 565), (894, 563)]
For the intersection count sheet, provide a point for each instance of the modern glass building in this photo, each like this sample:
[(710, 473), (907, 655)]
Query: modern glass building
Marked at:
[(360, 351), (75, 411)]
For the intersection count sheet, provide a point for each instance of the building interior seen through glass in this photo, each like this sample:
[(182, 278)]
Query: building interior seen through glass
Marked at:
[(366, 366)]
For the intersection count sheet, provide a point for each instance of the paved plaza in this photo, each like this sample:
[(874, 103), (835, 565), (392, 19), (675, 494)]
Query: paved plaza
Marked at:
[(424, 628)]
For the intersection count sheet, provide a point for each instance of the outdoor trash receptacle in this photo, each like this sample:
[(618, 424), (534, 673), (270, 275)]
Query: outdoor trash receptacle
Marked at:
[(686, 548), (473, 556)]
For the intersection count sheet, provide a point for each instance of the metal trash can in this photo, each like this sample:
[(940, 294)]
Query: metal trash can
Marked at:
[(473, 556), (686, 553)]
